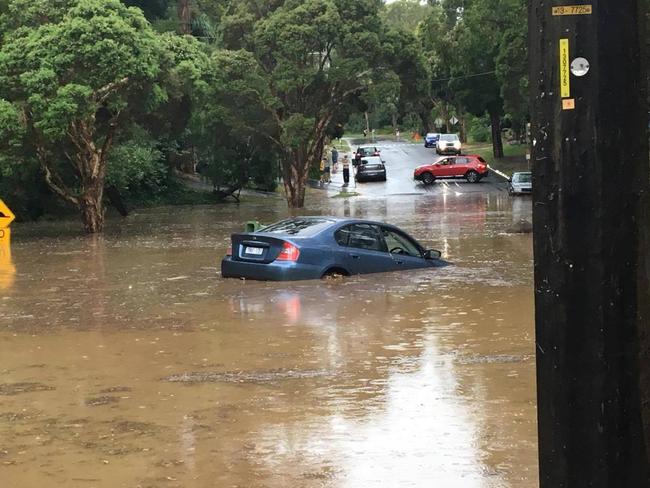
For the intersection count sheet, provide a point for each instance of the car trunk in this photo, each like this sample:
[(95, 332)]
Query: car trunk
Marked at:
[(370, 168), (256, 248)]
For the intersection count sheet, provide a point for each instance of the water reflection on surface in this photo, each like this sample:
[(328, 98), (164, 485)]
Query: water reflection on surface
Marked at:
[(128, 361)]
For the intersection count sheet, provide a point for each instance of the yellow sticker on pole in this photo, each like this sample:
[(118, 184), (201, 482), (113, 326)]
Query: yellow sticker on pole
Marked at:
[(572, 10), (565, 87)]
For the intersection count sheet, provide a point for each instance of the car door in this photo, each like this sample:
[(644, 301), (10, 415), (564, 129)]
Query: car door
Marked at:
[(461, 166), (405, 252), (445, 168), (366, 249)]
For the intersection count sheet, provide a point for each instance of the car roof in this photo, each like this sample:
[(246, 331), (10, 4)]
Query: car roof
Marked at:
[(338, 220)]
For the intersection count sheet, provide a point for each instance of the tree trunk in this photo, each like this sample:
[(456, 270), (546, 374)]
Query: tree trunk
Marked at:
[(92, 211), (463, 126), (184, 16), (497, 142), (296, 171), (367, 123)]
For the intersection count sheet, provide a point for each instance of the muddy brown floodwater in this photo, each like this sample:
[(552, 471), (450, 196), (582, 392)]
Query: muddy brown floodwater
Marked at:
[(127, 361)]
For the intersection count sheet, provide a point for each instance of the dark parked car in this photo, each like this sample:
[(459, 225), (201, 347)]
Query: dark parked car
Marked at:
[(370, 169), (364, 152), (306, 248)]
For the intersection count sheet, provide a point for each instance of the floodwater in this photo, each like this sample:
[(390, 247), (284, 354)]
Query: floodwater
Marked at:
[(127, 361)]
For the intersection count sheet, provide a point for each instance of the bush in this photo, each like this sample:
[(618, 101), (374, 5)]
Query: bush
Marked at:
[(479, 129), (136, 165)]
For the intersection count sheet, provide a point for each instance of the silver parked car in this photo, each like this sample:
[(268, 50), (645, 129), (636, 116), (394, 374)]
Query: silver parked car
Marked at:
[(521, 183)]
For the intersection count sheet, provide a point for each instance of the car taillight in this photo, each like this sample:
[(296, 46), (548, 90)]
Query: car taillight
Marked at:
[(289, 252), (229, 251)]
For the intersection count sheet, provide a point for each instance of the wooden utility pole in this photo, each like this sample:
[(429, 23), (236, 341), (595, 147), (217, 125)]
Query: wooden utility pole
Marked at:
[(590, 211)]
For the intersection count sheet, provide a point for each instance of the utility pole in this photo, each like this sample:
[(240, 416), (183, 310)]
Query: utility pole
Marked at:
[(590, 210)]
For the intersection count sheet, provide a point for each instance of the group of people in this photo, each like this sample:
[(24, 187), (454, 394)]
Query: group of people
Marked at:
[(330, 165)]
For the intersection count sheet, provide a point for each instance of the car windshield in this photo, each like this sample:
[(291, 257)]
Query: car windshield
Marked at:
[(430, 136), (522, 178), (301, 227), (449, 137)]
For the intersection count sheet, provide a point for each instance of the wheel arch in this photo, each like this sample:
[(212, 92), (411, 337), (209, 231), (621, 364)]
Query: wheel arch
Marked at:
[(335, 269)]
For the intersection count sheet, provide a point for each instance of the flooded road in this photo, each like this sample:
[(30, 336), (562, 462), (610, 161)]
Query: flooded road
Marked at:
[(127, 361)]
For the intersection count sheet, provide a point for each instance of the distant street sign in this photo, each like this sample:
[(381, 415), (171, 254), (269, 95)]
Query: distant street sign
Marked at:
[(6, 216), (439, 122), (453, 121)]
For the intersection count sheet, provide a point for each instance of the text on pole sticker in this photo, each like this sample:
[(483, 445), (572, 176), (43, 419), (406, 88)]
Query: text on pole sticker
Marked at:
[(565, 87), (572, 10), (568, 104)]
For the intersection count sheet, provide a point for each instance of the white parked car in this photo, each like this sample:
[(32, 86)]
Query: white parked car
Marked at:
[(448, 144), (521, 183)]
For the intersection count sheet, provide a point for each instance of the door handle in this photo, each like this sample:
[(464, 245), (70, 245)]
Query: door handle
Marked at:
[(399, 262), (355, 256)]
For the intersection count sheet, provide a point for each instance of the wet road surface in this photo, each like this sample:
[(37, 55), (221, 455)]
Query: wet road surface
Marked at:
[(128, 361), (401, 158)]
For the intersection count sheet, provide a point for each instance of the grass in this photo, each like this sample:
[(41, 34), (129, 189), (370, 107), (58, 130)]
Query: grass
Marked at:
[(342, 146), (346, 194)]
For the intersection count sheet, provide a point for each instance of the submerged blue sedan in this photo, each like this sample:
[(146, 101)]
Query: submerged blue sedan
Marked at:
[(306, 248)]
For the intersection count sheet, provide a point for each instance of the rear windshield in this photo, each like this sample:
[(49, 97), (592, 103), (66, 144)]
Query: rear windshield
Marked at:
[(522, 178), (449, 137), (298, 227)]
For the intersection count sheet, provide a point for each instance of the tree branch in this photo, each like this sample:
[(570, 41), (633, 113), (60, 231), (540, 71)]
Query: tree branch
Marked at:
[(53, 180), (104, 92)]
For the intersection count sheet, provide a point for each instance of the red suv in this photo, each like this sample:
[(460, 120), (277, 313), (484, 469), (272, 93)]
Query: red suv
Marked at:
[(472, 168)]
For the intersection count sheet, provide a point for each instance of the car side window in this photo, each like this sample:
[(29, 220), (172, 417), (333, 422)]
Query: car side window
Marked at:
[(462, 160), (447, 161), (342, 236), (365, 236), (398, 243)]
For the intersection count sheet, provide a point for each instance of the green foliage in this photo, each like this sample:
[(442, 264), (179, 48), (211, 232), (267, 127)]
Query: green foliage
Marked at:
[(136, 164), (479, 129), (405, 15)]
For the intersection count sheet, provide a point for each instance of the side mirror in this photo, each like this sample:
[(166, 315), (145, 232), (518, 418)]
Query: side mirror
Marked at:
[(510, 179), (432, 254)]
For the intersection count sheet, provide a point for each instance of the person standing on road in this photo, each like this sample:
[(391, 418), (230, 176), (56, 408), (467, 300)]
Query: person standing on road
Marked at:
[(335, 159), (326, 174), (346, 170), (322, 172)]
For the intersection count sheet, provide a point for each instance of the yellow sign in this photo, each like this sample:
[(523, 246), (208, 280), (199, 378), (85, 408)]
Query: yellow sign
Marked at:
[(565, 87), (568, 104), (6, 216), (572, 10), (7, 268)]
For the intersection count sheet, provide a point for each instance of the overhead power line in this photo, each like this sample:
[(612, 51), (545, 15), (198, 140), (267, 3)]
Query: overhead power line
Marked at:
[(465, 76)]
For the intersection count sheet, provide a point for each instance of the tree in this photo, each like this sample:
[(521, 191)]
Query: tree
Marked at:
[(231, 123), (405, 15), (72, 72), (318, 55)]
